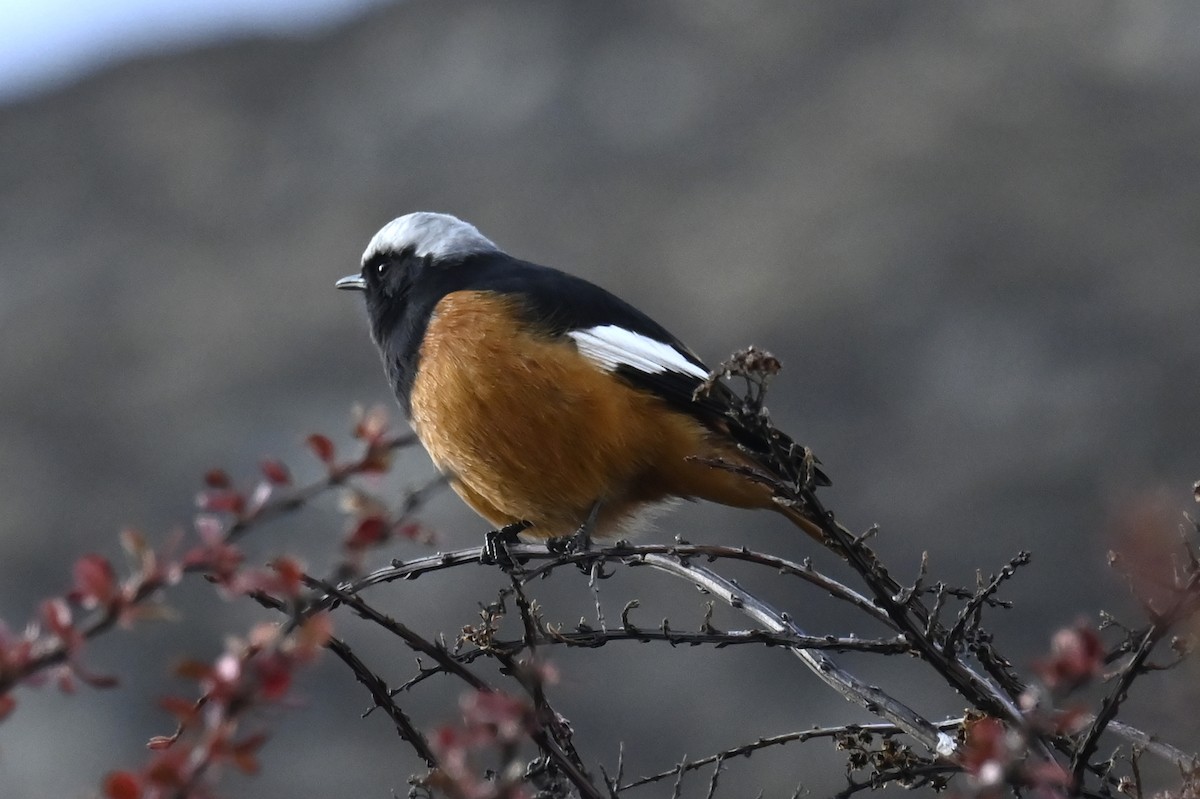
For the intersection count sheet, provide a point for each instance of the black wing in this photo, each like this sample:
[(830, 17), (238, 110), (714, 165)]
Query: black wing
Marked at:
[(560, 303)]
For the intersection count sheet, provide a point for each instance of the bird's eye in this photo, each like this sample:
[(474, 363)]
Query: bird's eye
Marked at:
[(381, 268)]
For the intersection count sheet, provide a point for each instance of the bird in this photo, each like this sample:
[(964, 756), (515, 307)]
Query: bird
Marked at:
[(554, 408)]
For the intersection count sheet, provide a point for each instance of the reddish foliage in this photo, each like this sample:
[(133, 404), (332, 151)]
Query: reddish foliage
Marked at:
[(182, 709), (95, 582), (1048, 779), (414, 531), (371, 425), (255, 673), (282, 579), (15, 655), (168, 768), (542, 670), (158, 742), (193, 670), (377, 460), (214, 554), (490, 719), (312, 636), (1076, 657), (122, 785), (986, 755), (369, 532), (290, 574), (274, 673), (322, 447), (56, 615), (276, 472), (221, 500), (244, 753), (1146, 549), (506, 717), (251, 674)]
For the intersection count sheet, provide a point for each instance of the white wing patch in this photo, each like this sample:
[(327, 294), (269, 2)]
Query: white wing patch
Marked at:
[(610, 346)]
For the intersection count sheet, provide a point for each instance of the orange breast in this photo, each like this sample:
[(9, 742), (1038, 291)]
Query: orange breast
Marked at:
[(530, 430)]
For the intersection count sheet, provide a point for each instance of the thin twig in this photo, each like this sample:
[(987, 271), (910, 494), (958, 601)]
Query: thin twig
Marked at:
[(1161, 625), (297, 498), (869, 697), (971, 609), (383, 699), (747, 749)]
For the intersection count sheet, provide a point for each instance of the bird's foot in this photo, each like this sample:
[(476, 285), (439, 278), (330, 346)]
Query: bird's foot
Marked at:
[(580, 541), (496, 546)]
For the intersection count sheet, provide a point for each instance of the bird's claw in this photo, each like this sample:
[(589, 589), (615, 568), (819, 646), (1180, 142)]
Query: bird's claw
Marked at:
[(495, 546)]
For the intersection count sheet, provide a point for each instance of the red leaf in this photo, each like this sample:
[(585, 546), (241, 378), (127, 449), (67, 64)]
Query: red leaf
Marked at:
[(274, 674), (1049, 778), (221, 500), (95, 581), (446, 738), (291, 576), (57, 617), (7, 706), (508, 715), (97, 680), (245, 762), (986, 743), (313, 634), (370, 531), (275, 472), (322, 447), (217, 478), (1071, 720), (414, 531), (1076, 656), (371, 425), (122, 785), (377, 460), (193, 670), (134, 543), (169, 768), (222, 559), (244, 752), (182, 709)]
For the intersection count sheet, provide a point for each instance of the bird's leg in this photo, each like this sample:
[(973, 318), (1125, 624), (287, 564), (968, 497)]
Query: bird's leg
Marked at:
[(581, 541), (495, 545)]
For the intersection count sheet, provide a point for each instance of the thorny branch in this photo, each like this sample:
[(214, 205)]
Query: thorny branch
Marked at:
[(155, 575), (1018, 732), (1162, 624), (747, 749), (677, 561)]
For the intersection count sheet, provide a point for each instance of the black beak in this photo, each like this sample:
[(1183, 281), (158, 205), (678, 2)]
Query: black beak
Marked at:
[(352, 282)]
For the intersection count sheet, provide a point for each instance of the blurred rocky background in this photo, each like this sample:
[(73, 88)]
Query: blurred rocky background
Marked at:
[(971, 232)]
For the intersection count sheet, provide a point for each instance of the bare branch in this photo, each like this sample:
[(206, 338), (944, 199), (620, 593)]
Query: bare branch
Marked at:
[(869, 697), (1161, 625), (748, 749)]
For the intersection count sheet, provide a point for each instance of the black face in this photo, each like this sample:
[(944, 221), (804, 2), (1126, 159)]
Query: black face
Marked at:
[(390, 274), (389, 278)]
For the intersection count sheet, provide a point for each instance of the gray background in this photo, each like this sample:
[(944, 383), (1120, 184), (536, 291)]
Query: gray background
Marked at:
[(970, 232)]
